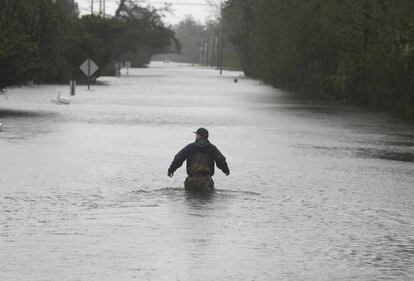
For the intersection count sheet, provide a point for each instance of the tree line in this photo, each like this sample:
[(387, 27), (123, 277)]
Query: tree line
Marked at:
[(355, 50), (203, 44), (47, 40)]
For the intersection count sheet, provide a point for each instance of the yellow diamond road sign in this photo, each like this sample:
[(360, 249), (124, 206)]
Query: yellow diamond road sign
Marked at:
[(89, 67)]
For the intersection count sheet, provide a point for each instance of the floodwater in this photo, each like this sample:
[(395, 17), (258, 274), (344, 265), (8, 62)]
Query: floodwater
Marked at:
[(316, 192)]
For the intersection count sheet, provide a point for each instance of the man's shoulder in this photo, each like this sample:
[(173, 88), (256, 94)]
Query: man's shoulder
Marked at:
[(213, 146), (185, 149), (189, 146)]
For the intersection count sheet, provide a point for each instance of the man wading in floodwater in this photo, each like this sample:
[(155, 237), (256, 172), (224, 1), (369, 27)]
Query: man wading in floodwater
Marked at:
[(200, 156)]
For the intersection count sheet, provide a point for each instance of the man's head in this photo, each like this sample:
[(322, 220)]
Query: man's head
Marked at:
[(201, 133)]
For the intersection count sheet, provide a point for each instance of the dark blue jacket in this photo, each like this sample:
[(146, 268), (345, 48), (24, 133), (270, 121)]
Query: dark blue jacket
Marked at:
[(201, 156)]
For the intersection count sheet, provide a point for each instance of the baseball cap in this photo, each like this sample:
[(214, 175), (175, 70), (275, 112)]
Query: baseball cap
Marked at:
[(202, 132)]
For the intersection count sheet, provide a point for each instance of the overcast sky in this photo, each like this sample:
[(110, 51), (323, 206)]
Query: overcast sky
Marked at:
[(199, 9)]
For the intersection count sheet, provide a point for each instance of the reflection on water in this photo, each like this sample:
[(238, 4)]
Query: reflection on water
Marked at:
[(199, 199), (365, 152), (8, 113), (317, 191)]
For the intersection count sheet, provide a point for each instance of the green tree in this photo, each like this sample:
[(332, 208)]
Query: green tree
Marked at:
[(358, 50), (46, 41), (191, 36)]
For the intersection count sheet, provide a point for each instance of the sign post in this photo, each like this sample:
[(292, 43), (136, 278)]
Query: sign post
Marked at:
[(89, 67), (72, 86)]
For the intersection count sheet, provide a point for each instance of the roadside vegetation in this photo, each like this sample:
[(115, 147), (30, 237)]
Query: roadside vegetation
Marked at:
[(203, 44), (360, 51), (47, 41)]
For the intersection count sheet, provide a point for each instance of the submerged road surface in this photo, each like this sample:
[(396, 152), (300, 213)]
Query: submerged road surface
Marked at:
[(317, 191)]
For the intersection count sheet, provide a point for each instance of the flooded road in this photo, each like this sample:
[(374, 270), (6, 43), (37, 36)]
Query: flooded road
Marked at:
[(316, 192)]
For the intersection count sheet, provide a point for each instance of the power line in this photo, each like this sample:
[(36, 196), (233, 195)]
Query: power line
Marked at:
[(102, 4), (179, 3), (175, 3)]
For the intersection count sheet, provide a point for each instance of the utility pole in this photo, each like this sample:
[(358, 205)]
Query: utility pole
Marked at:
[(91, 7), (104, 8), (221, 50), (206, 46), (213, 51), (202, 54), (218, 49), (221, 39)]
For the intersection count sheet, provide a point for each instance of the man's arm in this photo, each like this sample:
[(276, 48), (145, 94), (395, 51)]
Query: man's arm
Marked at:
[(179, 159), (221, 161)]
